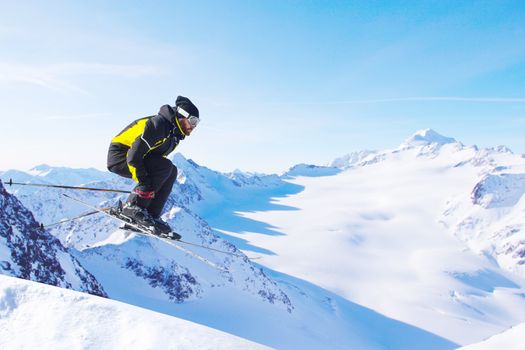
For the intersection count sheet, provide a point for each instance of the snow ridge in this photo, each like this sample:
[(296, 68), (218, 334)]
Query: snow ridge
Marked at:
[(310, 170), (499, 190), (427, 137), (351, 159), (63, 319)]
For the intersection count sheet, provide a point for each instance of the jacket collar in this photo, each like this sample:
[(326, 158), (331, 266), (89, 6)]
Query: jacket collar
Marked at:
[(168, 113)]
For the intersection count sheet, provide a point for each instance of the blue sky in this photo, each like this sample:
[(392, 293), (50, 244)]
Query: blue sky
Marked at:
[(277, 82)]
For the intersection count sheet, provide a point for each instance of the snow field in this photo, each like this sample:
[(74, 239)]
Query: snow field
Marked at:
[(38, 316)]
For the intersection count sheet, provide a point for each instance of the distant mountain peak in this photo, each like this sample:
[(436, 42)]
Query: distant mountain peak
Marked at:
[(426, 137), (311, 170), (351, 159), (40, 170), (41, 167)]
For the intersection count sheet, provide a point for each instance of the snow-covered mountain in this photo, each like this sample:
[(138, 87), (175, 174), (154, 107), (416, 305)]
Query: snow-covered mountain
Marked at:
[(414, 221), (426, 137), (310, 170), (40, 199), (350, 159), (29, 252), (37, 316), (255, 303), (57, 175), (428, 234)]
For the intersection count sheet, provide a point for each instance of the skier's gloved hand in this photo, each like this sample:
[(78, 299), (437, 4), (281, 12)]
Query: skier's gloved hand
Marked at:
[(144, 191)]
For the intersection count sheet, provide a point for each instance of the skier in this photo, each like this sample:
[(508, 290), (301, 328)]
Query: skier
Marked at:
[(139, 152)]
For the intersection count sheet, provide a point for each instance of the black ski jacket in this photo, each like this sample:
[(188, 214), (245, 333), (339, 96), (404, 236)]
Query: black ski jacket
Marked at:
[(154, 135)]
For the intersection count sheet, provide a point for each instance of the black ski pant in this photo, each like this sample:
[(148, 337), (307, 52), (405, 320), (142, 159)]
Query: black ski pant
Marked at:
[(162, 173)]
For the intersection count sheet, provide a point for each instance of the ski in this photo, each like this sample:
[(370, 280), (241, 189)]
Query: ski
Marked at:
[(189, 252), (145, 232), (212, 249), (180, 240)]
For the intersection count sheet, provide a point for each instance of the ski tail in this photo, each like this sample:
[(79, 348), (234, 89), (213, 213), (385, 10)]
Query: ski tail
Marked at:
[(196, 256)]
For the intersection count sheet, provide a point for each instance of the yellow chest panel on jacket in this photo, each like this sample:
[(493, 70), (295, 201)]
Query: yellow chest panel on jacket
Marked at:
[(129, 135)]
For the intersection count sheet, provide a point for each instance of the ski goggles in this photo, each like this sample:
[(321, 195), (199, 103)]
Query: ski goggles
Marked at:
[(192, 119)]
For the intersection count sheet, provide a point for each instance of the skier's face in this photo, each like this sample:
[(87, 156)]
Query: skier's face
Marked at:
[(186, 126)]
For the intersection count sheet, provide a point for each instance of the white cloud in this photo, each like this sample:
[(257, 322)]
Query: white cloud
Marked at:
[(434, 99), (59, 76), (127, 70), (37, 75), (74, 117), (385, 100)]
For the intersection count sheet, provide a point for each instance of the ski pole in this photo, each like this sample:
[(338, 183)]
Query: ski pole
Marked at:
[(10, 183), (71, 219)]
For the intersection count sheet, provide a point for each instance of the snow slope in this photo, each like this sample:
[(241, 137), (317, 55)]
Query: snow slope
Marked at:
[(512, 339), (384, 234), (38, 316)]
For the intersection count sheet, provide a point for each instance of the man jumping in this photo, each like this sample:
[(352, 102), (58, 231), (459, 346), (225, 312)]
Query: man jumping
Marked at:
[(139, 152)]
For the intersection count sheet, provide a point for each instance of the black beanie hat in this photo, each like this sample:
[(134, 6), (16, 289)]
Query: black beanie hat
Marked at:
[(188, 106)]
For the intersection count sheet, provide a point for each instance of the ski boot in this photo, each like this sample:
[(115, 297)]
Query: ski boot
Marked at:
[(161, 225), (164, 230), (139, 216)]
